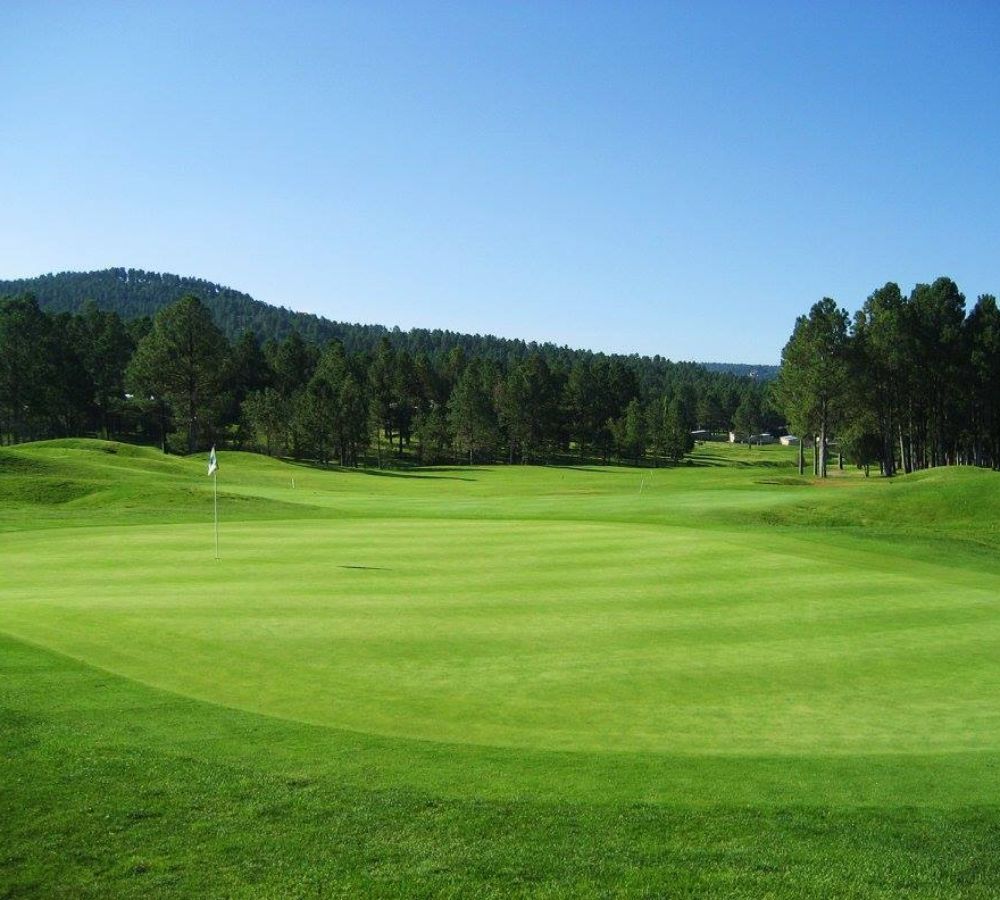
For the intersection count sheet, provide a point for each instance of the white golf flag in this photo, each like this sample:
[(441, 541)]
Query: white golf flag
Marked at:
[(213, 464)]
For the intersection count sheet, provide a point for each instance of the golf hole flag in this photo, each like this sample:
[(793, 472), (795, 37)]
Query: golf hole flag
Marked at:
[(213, 469)]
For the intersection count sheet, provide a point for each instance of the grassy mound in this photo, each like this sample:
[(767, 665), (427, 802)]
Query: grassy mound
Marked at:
[(102, 482)]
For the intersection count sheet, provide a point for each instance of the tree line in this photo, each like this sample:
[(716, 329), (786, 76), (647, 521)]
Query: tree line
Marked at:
[(177, 380), (907, 383)]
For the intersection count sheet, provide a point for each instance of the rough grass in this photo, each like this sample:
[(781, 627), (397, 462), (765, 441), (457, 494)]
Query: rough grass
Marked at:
[(703, 680)]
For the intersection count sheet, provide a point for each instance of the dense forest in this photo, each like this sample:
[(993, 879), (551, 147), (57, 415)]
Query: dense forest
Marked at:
[(908, 383), (133, 293), (177, 379)]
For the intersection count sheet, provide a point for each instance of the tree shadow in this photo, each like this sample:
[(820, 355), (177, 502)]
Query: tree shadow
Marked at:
[(391, 473), (414, 472)]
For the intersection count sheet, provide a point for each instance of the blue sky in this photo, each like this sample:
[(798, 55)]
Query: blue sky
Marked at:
[(673, 178)]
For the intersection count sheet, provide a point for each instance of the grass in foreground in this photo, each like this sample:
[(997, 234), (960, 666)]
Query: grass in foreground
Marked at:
[(541, 681)]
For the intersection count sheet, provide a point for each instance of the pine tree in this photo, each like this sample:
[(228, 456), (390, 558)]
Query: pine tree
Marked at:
[(182, 361)]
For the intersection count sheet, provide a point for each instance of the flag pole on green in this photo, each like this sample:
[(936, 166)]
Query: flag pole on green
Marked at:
[(213, 470)]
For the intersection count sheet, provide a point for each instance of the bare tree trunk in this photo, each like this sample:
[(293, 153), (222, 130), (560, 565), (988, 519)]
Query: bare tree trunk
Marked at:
[(904, 457)]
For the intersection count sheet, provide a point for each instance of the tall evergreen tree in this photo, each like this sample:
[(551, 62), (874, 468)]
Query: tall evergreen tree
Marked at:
[(267, 417), (27, 368), (182, 360), (984, 356), (883, 367), (814, 372), (634, 434), (677, 439), (471, 413), (105, 347)]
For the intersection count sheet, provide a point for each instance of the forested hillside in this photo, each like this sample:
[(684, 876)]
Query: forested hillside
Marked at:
[(133, 293), (178, 380)]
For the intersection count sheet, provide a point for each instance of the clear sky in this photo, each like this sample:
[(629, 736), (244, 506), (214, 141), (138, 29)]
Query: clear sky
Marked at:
[(673, 178)]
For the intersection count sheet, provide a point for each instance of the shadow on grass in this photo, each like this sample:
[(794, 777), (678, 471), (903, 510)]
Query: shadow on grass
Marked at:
[(430, 472), (727, 462), (422, 474)]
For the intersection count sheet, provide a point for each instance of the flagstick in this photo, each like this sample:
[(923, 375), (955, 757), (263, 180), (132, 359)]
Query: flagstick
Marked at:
[(215, 497)]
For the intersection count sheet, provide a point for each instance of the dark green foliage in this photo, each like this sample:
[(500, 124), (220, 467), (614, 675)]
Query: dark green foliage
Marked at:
[(331, 412), (183, 361), (472, 416), (434, 434), (528, 409), (677, 441), (912, 384), (23, 370), (813, 384), (249, 369), (292, 362), (266, 417), (352, 420), (133, 294), (523, 403), (634, 437), (984, 375), (94, 369), (861, 445)]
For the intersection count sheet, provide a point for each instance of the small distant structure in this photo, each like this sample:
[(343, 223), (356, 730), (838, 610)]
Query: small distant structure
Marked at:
[(788, 440), (702, 434), (758, 439)]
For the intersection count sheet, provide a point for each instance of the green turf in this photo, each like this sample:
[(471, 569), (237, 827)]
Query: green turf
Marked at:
[(709, 678)]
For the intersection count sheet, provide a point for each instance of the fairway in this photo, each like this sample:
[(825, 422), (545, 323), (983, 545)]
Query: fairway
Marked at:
[(701, 637)]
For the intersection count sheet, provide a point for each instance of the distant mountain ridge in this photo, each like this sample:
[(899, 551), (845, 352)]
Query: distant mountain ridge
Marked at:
[(133, 293)]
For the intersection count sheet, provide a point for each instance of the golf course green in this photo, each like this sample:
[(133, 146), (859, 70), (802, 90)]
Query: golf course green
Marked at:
[(710, 679)]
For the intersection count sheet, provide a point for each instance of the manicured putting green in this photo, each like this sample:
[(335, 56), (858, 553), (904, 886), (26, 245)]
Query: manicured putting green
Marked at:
[(558, 610)]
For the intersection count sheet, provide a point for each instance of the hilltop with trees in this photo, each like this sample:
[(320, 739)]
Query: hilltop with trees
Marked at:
[(135, 294)]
